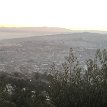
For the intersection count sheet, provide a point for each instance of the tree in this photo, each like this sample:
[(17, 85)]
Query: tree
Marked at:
[(78, 87)]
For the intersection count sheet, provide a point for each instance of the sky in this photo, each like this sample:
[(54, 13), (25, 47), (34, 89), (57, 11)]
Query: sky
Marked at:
[(71, 14)]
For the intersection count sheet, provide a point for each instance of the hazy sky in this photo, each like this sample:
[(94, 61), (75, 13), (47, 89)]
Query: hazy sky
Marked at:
[(73, 14)]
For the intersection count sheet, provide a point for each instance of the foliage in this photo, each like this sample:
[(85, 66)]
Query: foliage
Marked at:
[(68, 85), (77, 86)]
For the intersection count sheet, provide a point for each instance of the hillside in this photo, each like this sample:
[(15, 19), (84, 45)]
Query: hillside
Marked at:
[(12, 32), (38, 52)]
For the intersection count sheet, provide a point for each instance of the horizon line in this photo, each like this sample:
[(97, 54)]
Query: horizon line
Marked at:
[(70, 29)]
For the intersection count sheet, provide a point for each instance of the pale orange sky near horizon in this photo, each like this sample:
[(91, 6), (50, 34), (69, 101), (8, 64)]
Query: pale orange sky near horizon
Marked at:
[(72, 14)]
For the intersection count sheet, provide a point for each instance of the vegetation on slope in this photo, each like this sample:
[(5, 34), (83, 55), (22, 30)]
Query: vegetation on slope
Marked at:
[(68, 85)]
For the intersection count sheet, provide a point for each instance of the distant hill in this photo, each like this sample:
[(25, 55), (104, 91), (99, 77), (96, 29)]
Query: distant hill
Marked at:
[(34, 29), (20, 32), (12, 32)]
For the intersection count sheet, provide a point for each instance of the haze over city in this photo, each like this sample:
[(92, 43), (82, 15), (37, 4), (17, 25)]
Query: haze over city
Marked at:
[(53, 53)]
